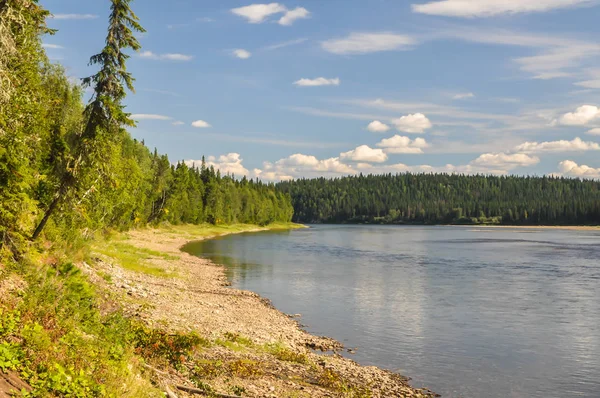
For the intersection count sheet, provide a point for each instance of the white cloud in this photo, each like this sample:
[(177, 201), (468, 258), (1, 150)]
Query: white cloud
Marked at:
[(227, 164), (258, 13), (399, 144), (572, 169), (169, 56), (377, 127), (201, 124), (178, 123), (460, 96), (52, 46), (576, 145), (284, 44), (241, 53), (319, 81), (363, 43), (146, 116), (488, 8), (594, 131), (582, 116), (74, 16), (299, 165), (556, 56), (589, 83), (292, 15), (505, 161), (415, 123), (364, 153), (594, 79)]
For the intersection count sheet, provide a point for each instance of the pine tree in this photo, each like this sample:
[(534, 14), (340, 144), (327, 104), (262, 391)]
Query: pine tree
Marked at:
[(104, 115)]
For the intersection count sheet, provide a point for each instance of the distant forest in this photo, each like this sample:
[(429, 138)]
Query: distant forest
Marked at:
[(445, 199)]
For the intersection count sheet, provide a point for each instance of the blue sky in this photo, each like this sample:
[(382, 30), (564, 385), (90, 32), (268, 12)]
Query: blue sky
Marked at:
[(335, 87)]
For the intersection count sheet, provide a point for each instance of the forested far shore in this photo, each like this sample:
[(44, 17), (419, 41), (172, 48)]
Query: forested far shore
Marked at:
[(445, 199)]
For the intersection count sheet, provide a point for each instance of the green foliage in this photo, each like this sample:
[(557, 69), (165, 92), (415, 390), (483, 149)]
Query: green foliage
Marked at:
[(62, 345), (283, 353), (175, 348), (331, 379), (445, 199), (10, 356), (244, 368), (208, 369)]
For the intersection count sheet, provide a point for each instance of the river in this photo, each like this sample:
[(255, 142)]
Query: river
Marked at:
[(468, 312)]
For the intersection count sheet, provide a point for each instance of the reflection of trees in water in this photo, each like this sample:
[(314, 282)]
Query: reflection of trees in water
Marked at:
[(241, 254)]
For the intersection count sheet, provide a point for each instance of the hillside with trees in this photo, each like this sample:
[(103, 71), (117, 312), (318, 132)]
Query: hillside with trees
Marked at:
[(445, 199), (69, 168)]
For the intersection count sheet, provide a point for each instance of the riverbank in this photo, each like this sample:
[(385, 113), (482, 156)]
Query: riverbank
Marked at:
[(251, 349)]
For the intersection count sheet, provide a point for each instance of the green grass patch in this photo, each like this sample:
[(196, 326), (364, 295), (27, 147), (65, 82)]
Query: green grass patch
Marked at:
[(332, 380), (235, 342), (134, 258), (283, 353), (209, 230)]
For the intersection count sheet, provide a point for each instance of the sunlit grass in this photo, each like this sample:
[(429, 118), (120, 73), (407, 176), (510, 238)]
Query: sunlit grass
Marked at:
[(134, 258), (209, 230)]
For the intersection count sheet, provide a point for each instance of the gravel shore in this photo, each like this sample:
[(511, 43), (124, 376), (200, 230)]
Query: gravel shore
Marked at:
[(193, 294)]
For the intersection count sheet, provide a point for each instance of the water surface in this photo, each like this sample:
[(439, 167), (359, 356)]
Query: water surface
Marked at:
[(468, 312)]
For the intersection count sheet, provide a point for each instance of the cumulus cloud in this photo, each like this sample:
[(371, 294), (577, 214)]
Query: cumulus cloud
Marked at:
[(292, 15), (241, 53), (399, 144), (576, 145), (460, 96), (363, 43), (415, 123), (168, 57), (299, 165), (319, 81), (201, 124), (227, 164), (146, 116), (377, 127), (505, 161), (582, 116), (259, 13), (364, 153), (594, 131), (572, 169), (73, 16), (488, 8)]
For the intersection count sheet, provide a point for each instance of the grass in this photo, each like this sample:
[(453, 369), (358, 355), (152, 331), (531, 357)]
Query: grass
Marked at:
[(134, 258), (283, 353), (235, 342), (61, 344), (203, 231)]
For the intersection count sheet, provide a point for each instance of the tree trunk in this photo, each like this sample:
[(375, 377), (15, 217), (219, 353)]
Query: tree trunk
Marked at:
[(47, 215)]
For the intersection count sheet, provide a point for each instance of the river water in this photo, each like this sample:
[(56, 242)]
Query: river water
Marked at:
[(468, 312)]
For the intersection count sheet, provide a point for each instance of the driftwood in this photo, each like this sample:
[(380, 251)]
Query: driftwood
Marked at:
[(192, 390), (170, 394)]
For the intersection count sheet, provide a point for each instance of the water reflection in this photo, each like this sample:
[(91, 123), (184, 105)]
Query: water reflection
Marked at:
[(468, 312)]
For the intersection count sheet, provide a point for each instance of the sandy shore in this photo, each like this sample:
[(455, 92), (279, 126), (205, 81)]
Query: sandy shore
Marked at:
[(242, 325)]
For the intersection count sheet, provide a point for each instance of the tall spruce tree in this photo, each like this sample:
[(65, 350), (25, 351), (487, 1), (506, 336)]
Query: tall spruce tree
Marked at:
[(105, 117)]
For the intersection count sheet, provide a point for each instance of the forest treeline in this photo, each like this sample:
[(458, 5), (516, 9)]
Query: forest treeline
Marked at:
[(445, 199), (69, 168)]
